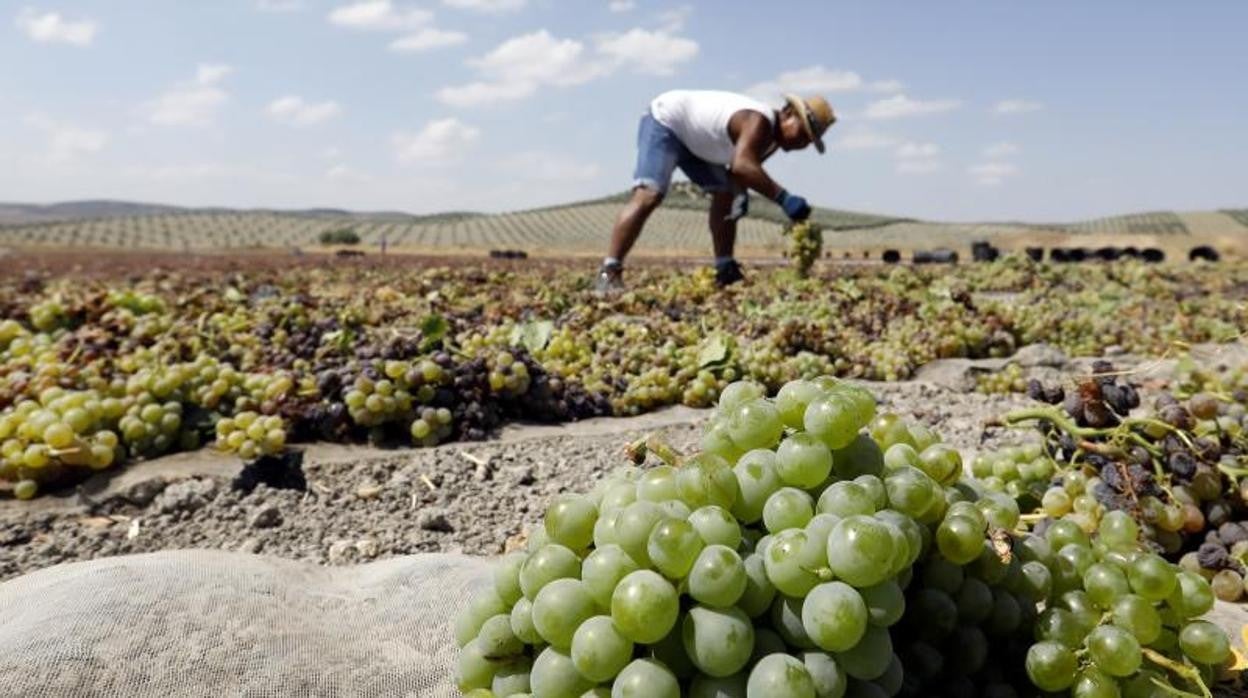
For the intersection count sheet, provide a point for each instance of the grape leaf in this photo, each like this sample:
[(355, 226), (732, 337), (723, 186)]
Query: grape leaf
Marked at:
[(533, 336), (433, 328), (715, 350)]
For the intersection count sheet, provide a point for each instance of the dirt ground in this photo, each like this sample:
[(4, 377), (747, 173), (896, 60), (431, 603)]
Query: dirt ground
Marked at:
[(363, 504)]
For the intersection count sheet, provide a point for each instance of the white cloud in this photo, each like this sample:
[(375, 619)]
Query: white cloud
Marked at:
[(476, 93), (51, 27), (279, 5), (436, 142), (519, 66), (427, 39), (332, 152), (379, 15), (996, 151), (919, 167), (864, 140), (652, 53), (992, 173), (817, 79), (294, 111), (900, 105), (67, 141), (486, 6), (913, 151), (1016, 106), (622, 5), (547, 167), (193, 103)]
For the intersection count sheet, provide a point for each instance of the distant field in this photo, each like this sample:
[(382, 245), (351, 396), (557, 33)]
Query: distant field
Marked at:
[(582, 228)]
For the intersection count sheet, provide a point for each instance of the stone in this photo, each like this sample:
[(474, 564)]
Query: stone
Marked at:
[(434, 519), (187, 495), (266, 517), (1040, 355)]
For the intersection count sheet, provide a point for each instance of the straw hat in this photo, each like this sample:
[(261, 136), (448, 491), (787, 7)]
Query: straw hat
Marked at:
[(817, 116)]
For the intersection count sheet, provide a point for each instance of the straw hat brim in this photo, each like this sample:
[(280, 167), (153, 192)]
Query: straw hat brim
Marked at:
[(799, 106)]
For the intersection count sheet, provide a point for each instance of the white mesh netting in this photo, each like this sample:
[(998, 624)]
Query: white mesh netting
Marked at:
[(207, 623)]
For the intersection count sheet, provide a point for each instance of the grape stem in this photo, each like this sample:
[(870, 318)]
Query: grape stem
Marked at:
[(1182, 670), (664, 451)]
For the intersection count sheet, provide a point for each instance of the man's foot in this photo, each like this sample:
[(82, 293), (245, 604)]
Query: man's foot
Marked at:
[(728, 273), (610, 279)]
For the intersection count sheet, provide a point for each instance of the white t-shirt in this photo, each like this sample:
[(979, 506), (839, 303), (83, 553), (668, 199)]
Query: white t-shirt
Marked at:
[(700, 119)]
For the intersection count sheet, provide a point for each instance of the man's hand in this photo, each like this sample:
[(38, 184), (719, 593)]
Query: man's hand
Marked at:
[(795, 207), (740, 207)]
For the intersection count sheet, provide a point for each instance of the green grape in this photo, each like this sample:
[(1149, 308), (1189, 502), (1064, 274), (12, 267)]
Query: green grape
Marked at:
[(473, 669), (1204, 642), (875, 489), (716, 526), (788, 508), (941, 462), (645, 678), (1064, 532), (707, 479), (900, 455), (657, 484), (1118, 530), (673, 546), (759, 592), (803, 461), (1051, 666), (755, 423), (497, 640), (959, 540), (1138, 617), (869, 659), (780, 676), (644, 606), (911, 491), (599, 651), (1092, 683), (718, 640), (482, 607), (861, 456), (886, 603), (834, 616), (559, 608), (786, 620), (828, 677), (846, 498), (552, 561), (1037, 581), (555, 676), (670, 652), (1191, 597), (522, 622), (943, 575), (861, 550), (738, 393), (1006, 613), (1152, 577), (757, 480), (974, 601), (512, 677), (1114, 650), (602, 571), (792, 400), (718, 577), (1059, 625), (507, 578), (831, 419), (617, 496), (633, 526), (783, 563), (936, 613), (1105, 584)]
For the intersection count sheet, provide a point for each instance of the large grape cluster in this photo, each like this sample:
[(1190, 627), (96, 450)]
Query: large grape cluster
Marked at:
[(800, 555)]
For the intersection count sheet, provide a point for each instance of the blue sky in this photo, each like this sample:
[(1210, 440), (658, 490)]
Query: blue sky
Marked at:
[(959, 110)]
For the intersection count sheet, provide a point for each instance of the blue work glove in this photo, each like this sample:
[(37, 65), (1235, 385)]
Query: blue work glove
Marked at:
[(795, 207), (740, 207)]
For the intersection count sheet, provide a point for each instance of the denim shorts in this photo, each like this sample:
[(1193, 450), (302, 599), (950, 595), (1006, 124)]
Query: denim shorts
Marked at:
[(660, 152)]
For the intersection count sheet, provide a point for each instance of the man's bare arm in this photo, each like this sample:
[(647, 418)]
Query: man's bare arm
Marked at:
[(753, 139)]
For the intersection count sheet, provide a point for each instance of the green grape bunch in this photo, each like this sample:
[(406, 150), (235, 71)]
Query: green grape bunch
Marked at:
[(251, 435), (816, 548), (805, 246)]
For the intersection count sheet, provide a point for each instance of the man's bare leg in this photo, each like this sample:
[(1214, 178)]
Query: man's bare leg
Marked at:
[(631, 220), (723, 231)]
